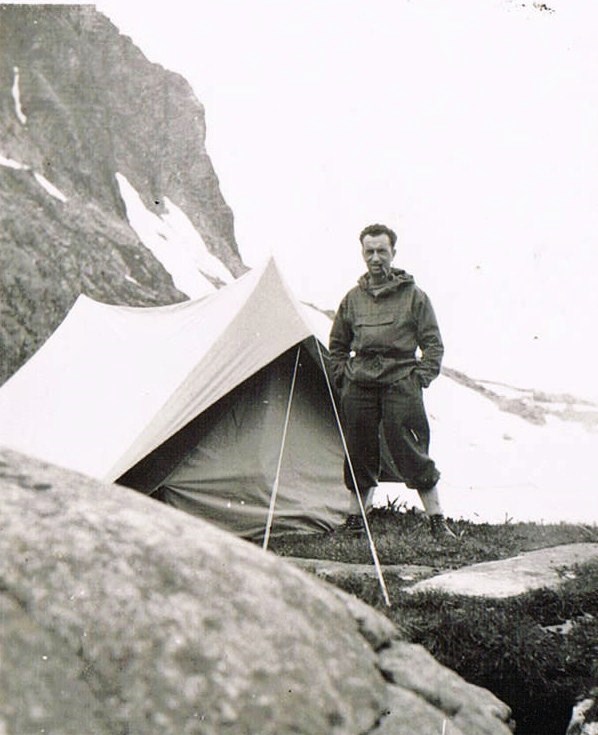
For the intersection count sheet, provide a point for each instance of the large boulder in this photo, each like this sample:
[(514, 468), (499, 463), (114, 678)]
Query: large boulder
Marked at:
[(121, 615)]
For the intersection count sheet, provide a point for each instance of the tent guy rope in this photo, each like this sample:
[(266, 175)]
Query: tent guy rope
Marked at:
[(350, 464)]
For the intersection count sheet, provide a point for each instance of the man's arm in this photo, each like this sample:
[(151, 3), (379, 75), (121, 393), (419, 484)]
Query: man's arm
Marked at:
[(429, 341), (339, 345)]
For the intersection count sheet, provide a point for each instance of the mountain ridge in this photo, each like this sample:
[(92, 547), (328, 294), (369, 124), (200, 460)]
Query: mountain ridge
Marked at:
[(79, 103), (532, 405)]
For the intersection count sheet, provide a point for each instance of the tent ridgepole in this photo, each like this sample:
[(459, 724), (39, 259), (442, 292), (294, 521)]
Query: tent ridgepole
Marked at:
[(350, 464), (282, 444)]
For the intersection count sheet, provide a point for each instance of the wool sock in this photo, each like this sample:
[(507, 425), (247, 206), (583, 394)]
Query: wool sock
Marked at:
[(431, 501), (367, 499)]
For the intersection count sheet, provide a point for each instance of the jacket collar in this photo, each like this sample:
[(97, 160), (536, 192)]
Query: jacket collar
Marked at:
[(396, 279)]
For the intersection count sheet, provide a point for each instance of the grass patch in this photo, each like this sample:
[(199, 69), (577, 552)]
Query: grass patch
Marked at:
[(516, 647), (509, 646), (402, 537)]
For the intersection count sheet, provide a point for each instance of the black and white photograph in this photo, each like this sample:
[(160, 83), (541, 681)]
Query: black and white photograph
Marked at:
[(298, 395)]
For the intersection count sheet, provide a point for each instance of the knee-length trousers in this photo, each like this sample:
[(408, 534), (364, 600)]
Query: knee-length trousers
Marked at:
[(398, 411)]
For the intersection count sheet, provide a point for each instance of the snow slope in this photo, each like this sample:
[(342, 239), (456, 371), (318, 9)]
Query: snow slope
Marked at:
[(498, 466)]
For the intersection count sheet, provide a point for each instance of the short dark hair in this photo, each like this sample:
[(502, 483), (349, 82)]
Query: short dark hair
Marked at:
[(376, 230)]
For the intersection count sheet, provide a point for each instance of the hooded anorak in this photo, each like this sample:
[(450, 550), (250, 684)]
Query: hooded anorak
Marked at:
[(385, 332)]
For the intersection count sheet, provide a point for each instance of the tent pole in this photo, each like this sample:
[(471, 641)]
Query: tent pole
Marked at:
[(282, 444), (358, 495)]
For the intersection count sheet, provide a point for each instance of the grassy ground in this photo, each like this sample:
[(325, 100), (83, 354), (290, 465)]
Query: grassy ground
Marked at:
[(514, 647), (402, 537)]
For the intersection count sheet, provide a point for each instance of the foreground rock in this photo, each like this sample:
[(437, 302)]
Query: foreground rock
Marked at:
[(120, 615), (544, 568), (338, 572)]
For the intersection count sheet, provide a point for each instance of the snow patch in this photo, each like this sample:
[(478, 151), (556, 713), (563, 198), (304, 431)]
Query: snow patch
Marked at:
[(41, 180), (174, 242), (11, 163), (49, 187), (497, 467), (16, 94), (194, 244)]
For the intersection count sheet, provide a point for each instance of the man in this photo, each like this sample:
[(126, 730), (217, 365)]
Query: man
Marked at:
[(378, 327)]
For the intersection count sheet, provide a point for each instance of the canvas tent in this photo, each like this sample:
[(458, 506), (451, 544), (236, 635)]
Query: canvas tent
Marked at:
[(189, 401)]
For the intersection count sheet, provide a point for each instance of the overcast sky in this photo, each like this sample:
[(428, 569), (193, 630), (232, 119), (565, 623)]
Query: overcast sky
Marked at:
[(469, 126)]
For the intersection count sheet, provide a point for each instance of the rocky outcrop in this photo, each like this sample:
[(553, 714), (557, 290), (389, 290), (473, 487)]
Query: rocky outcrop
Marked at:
[(80, 103), (123, 615), (342, 573), (533, 406), (452, 705), (533, 570)]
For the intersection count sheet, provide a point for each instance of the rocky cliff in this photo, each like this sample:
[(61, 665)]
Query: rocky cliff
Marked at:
[(80, 106)]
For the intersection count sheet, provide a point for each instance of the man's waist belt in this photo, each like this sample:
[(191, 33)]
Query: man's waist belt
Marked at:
[(394, 354)]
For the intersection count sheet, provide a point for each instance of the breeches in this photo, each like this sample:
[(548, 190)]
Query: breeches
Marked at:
[(393, 414)]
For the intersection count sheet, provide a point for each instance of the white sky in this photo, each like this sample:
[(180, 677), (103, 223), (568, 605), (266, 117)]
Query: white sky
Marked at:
[(470, 126)]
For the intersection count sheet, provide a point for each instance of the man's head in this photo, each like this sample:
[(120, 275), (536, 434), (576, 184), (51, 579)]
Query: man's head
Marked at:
[(378, 250)]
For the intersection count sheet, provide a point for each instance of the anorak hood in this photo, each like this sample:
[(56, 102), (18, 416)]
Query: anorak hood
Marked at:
[(396, 279)]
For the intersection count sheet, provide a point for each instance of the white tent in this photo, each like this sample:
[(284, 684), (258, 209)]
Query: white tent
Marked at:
[(120, 391)]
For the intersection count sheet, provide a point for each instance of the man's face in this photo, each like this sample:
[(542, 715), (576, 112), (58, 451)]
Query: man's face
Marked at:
[(378, 254)]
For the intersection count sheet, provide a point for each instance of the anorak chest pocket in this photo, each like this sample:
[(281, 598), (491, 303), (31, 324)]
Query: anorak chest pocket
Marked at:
[(375, 329)]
